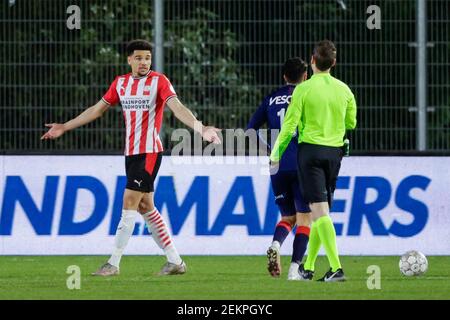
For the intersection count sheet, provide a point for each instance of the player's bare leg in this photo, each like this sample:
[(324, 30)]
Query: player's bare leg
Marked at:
[(131, 200), (160, 233), (273, 253)]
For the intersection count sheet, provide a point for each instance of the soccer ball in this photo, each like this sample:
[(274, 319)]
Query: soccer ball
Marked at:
[(413, 263)]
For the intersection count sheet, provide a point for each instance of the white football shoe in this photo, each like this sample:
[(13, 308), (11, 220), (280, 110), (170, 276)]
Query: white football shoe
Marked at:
[(169, 269), (274, 261), (107, 270), (293, 272)]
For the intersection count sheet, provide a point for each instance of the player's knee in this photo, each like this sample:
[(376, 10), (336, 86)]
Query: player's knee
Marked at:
[(145, 207), (130, 203), (289, 219), (303, 219)]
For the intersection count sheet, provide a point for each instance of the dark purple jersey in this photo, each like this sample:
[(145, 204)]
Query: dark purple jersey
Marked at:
[(272, 111)]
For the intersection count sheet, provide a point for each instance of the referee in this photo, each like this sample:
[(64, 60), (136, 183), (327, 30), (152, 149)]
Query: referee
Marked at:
[(322, 108)]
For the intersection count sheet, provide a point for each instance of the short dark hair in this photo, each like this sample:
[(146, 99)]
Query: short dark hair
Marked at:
[(294, 68), (138, 44), (324, 54)]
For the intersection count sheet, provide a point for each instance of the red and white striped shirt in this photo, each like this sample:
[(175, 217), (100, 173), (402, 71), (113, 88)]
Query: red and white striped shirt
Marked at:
[(143, 100)]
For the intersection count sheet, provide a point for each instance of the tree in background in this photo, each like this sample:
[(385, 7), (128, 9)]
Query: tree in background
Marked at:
[(202, 64), (221, 57), (56, 73)]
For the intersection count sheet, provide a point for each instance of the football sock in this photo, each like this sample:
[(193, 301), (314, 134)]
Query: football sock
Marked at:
[(160, 234), (313, 248), (281, 231), (327, 235), (300, 243), (123, 234)]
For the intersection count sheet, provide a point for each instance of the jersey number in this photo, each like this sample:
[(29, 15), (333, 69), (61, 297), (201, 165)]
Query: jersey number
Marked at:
[(281, 114)]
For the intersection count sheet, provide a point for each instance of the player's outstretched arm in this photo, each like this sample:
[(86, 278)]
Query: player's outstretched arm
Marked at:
[(185, 115), (90, 114), (258, 119)]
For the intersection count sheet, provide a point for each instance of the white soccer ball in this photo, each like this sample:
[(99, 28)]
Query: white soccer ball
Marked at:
[(413, 263)]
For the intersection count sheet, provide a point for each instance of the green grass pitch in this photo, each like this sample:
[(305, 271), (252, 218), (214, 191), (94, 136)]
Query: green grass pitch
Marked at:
[(214, 277)]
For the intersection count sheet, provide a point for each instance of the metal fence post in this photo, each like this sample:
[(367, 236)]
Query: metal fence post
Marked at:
[(421, 80), (159, 36)]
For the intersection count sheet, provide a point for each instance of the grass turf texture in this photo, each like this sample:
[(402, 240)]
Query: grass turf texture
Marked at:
[(214, 277)]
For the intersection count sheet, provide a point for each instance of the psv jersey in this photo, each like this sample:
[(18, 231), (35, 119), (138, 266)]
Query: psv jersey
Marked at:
[(142, 100)]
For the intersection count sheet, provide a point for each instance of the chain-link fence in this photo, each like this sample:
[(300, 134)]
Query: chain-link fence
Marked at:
[(222, 57), (439, 75)]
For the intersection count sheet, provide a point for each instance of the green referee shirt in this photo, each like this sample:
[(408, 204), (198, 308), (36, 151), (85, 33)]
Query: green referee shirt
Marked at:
[(322, 108)]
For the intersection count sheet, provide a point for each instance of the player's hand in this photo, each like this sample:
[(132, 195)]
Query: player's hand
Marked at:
[(56, 130), (210, 135)]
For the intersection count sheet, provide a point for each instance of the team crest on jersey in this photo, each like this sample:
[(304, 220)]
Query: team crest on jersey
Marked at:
[(147, 90)]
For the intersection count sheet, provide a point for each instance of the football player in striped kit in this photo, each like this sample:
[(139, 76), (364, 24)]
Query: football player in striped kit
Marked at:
[(143, 94)]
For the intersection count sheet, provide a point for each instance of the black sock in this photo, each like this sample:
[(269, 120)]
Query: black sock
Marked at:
[(300, 244), (281, 231)]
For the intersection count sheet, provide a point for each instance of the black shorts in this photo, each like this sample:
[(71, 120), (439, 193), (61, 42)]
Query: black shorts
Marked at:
[(318, 167), (141, 171)]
